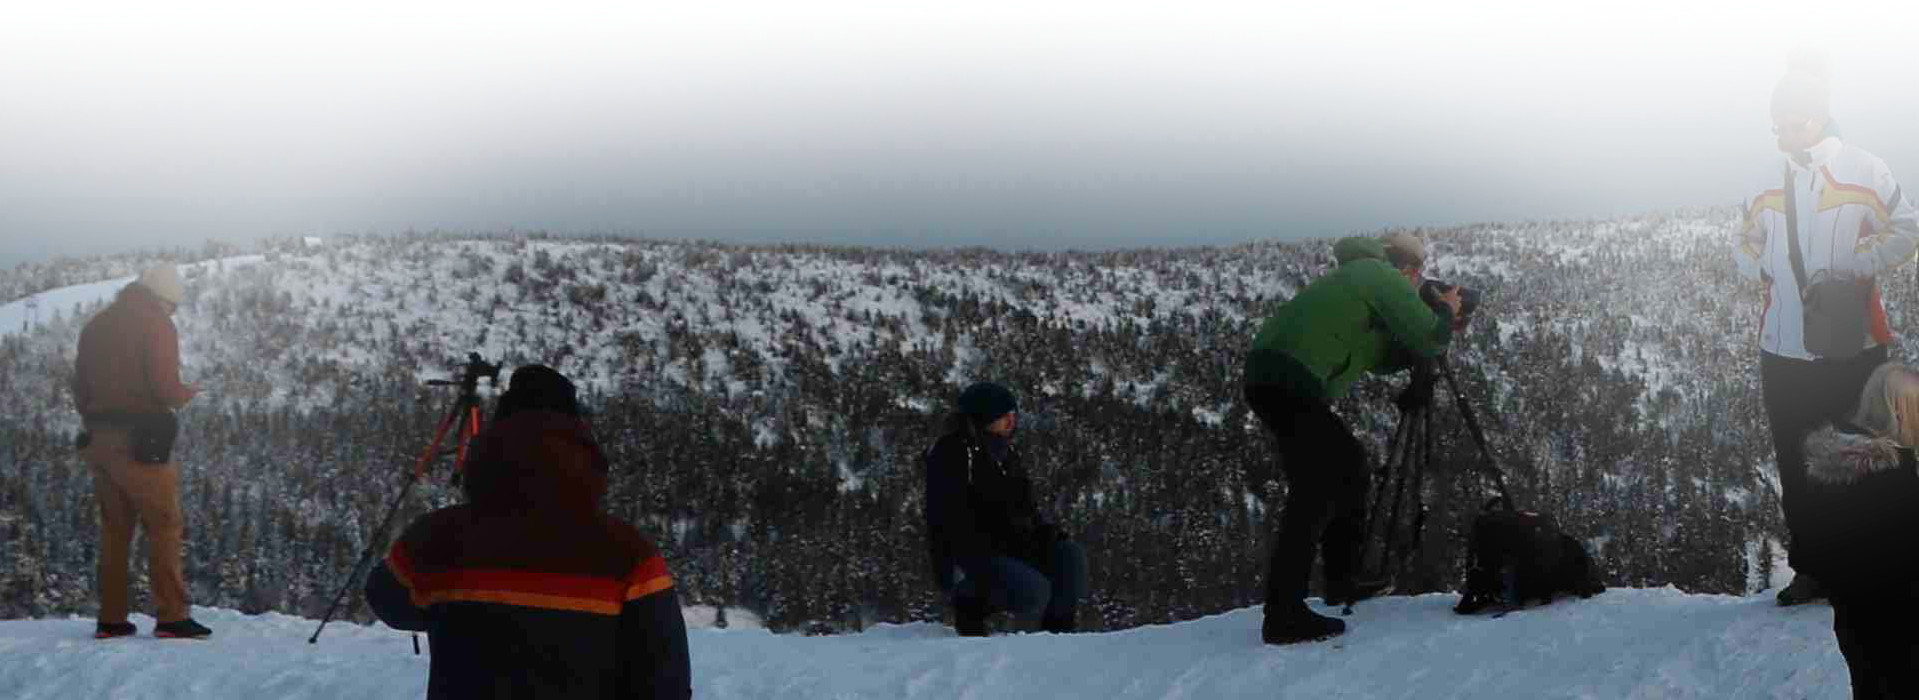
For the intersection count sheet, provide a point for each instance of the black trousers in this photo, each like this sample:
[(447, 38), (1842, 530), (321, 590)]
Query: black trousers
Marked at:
[(1325, 469), (1800, 395), (1879, 636)]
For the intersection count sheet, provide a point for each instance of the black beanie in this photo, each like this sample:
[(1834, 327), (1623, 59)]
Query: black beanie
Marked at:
[(538, 388), (985, 402)]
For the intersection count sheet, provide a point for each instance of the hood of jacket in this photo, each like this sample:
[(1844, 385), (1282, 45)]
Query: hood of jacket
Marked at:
[(536, 461), (1352, 248), (138, 296), (1839, 458)]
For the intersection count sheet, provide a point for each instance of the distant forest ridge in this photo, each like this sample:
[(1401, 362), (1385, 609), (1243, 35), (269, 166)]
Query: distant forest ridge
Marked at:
[(766, 407)]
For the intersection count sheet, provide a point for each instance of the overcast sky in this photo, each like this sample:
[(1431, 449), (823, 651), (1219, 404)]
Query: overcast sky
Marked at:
[(1064, 124)]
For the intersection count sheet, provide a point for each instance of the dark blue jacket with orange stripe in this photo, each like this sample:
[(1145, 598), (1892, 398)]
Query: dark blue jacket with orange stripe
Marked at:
[(527, 590)]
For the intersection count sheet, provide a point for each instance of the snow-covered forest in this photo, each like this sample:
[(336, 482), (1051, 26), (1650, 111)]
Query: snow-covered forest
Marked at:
[(766, 406)]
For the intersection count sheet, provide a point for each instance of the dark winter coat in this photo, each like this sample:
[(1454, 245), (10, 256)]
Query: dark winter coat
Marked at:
[(129, 359), (1863, 506), (980, 505), (527, 590)]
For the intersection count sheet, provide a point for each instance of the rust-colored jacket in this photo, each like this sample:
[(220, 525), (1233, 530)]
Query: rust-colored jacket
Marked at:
[(129, 358)]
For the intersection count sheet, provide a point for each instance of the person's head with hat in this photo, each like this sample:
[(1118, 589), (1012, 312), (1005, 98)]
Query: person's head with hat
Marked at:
[(1406, 253), (991, 408), (538, 388), (1802, 103), (163, 282)]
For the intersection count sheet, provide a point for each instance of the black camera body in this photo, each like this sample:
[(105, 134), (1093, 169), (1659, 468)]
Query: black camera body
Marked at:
[(1430, 290), (477, 369)]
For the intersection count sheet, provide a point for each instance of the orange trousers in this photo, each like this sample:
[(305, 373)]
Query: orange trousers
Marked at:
[(147, 494)]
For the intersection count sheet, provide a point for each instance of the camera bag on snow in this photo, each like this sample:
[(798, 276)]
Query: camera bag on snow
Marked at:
[(1520, 556)]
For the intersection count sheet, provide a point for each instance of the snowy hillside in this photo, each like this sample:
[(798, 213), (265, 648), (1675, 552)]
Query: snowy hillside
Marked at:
[(1625, 644), (766, 407)]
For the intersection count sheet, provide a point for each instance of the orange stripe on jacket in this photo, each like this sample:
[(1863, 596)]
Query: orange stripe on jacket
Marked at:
[(648, 578), (1769, 199), (522, 588), (401, 564), (569, 585), (1840, 194), (524, 600)]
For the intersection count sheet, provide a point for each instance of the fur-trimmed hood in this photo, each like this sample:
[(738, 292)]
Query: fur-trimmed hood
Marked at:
[(1840, 458)]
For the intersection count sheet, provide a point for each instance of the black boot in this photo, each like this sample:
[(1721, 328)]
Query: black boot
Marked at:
[(184, 629), (1803, 589), (1064, 623), (1353, 591), (969, 617), (110, 630), (1291, 623)]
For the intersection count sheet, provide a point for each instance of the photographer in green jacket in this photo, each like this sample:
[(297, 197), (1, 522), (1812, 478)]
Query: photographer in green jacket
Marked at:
[(1364, 316)]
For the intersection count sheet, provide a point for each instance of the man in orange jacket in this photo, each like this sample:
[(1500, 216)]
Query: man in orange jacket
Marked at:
[(126, 385)]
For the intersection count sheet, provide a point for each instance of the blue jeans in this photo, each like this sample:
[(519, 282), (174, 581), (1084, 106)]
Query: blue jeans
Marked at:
[(1024, 590)]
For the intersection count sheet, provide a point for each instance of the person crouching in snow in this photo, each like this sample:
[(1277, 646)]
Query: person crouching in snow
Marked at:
[(527, 590), (1863, 486), (981, 521)]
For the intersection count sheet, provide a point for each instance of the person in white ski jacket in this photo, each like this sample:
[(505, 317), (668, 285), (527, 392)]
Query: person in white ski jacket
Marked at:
[(1852, 221)]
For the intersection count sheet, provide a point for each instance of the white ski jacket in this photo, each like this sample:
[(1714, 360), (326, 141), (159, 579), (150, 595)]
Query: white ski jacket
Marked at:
[(1853, 222)]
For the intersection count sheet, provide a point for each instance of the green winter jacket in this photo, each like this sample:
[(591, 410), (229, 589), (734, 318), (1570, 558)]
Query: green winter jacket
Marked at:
[(1354, 320)]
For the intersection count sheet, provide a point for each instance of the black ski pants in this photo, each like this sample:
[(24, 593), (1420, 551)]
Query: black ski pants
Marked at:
[(1325, 468), (1879, 636), (1800, 395)]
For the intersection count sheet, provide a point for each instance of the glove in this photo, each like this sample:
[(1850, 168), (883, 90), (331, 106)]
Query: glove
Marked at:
[(1419, 392)]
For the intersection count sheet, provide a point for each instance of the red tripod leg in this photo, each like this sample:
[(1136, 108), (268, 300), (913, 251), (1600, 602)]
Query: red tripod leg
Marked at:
[(439, 436), (467, 432)]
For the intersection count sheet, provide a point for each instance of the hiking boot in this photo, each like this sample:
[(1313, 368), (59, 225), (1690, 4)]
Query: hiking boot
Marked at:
[(109, 630), (1060, 624), (969, 618), (1295, 623), (184, 629), (1349, 592), (1803, 589)]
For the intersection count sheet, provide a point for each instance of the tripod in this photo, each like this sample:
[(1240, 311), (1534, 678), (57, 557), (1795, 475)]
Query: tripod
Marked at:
[(1410, 451), (463, 420)]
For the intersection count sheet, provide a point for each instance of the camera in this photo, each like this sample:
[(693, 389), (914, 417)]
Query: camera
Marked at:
[(1430, 290), (475, 370)]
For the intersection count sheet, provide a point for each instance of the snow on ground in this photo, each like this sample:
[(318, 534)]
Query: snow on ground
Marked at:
[(1627, 643)]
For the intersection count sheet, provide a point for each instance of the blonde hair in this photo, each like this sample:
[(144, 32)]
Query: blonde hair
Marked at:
[(1889, 405)]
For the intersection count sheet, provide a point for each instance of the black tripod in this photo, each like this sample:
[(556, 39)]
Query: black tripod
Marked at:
[(463, 420), (1410, 452)]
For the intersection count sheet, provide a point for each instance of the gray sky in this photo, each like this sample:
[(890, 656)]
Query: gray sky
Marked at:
[(1075, 124)]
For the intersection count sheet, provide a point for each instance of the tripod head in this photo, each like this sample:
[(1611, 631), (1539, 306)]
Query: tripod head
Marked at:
[(469, 382)]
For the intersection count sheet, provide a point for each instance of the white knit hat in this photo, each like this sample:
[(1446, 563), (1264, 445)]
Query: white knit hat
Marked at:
[(164, 282), (1404, 249)]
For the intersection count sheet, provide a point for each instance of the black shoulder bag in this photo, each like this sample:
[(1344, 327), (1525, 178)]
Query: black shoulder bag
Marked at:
[(152, 437), (1833, 310)]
